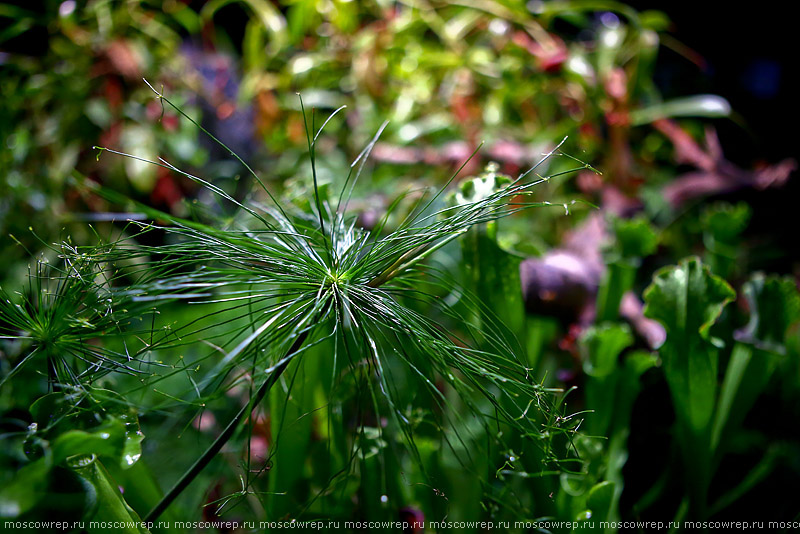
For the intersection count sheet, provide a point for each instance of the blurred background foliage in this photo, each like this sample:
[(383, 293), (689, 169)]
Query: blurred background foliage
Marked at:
[(688, 416)]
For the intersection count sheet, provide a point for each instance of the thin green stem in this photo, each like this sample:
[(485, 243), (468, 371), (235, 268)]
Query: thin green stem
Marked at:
[(226, 434)]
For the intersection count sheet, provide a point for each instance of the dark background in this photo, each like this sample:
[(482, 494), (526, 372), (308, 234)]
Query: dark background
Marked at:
[(748, 54)]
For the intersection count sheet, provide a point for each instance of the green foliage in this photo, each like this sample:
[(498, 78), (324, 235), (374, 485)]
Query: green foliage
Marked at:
[(377, 308), (72, 433), (292, 282), (723, 225), (612, 386), (633, 239), (491, 273), (774, 307), (57, 107), (62, 308), (687, 300)]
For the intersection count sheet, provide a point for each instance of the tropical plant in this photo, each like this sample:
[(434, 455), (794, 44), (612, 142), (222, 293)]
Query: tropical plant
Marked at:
[(411, 340), (284, 284)]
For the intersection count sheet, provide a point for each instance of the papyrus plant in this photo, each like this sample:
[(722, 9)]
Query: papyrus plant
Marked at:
[(280, 281)]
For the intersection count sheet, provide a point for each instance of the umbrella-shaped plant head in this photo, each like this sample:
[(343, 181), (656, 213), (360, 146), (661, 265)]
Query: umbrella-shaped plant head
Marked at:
[(285, 282), (55, 320)]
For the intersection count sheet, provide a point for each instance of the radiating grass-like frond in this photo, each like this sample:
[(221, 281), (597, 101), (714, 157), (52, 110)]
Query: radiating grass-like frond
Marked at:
[(62, 318), (291, 278)]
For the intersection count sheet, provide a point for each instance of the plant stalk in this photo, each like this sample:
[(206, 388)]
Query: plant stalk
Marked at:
[(226, 434)]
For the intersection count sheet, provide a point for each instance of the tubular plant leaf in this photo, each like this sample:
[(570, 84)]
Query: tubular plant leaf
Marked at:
[(774, 304), (687, 299)]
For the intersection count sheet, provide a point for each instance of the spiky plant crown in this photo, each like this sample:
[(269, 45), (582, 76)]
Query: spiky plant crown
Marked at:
[(61, 313), (282, 280)]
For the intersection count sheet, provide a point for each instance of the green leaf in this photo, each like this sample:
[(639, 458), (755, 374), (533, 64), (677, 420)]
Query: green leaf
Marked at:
[(600, 348), (692, 106), (107, 441), (302, 16), (619, 279), (725, 221), (628, 385), (25, 490), (601, 345), (142, 492), (72, 427), (292, 421), (636, 238), (687, 299), (112, 507), (492, 273), (774, 306), (115, 407), (655, 20), (722, 225), (600, 500)]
